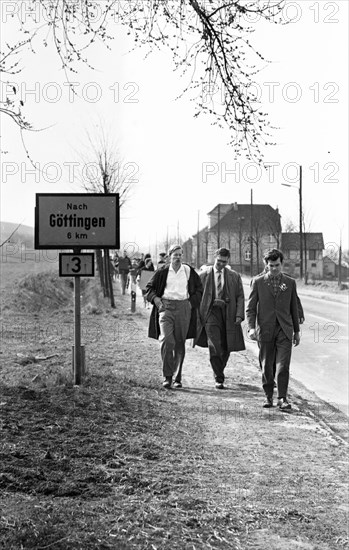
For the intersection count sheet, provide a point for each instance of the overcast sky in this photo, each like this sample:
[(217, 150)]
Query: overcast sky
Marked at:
[(181, 164)]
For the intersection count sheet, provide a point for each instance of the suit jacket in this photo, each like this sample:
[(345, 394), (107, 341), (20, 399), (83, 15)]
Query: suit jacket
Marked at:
[(233, 295), (156, 287), (299, 303), (263, 308)]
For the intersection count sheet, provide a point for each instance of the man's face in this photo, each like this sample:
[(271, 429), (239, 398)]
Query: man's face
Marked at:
[(275, 267), (176, 257), (220, 262)]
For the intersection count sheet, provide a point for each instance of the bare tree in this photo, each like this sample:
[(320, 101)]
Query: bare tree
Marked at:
[(290, 226), (208, 39), (103, 171)]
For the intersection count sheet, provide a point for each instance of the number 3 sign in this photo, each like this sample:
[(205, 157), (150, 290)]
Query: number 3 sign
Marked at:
[(73, 265)]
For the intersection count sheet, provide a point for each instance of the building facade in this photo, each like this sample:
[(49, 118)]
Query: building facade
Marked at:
[(313, 246), (244, 229)]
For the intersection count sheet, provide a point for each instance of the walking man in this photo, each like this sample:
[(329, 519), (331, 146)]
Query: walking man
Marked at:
[(124, 269), (221, 313), (272, 317), (175, 292)]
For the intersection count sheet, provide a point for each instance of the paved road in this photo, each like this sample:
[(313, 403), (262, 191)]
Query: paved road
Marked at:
[(321, 360)]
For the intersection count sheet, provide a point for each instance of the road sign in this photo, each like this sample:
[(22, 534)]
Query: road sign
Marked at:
[(74, 265), (80, 220)]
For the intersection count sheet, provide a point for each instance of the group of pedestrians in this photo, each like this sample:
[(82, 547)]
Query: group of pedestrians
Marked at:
[(128, 270), (209, 308)]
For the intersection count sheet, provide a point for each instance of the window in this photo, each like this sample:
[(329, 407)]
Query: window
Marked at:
[(313, 265), (312, 254), (247, 255), (298, 265)]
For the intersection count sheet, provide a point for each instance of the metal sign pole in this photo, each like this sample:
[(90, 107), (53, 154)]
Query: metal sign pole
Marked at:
[(77, 330)]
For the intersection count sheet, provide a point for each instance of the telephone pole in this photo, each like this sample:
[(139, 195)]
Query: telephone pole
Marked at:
[(251, 235)]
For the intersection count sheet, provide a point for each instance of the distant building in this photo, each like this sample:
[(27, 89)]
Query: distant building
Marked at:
[(229, 226), (331, 267), (313, 246)]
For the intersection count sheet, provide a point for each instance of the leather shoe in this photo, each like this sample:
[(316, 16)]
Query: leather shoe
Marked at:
[(220, 386), (283, 404), (177, 384), (167, 382), (268, 402)]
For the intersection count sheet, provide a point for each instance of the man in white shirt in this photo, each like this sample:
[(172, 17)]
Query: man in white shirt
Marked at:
[(175, 292)]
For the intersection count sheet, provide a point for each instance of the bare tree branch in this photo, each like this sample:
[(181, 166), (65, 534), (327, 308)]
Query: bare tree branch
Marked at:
[(208, 38)]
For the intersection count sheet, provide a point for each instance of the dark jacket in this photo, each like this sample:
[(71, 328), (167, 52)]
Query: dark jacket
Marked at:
[(299, 303), (233, 295), (156, 287), (263, 308)]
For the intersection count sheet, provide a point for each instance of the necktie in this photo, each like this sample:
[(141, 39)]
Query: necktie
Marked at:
[(219, 285)]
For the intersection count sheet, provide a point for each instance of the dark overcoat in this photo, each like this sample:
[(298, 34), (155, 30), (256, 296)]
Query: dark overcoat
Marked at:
[(156, 287), (233, 295), (264, 308)]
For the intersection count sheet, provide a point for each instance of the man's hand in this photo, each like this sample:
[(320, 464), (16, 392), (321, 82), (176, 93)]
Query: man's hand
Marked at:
[(158, 302), (252, 334), (218, 302), (296, 339), (238, 320), (301, 320)]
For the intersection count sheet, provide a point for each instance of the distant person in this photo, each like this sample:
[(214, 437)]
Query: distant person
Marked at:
[(161, 261), (124, 269), (222, 311), (272, 317), (149, 266), (175, 292), (141, 263), (115, 265), (133, 271)]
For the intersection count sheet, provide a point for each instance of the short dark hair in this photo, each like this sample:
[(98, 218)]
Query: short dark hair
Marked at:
[(273, 255), (222, 252)]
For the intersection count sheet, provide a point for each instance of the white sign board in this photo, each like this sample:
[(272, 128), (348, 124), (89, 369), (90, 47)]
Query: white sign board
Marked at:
[(80, 220), (145, 277)]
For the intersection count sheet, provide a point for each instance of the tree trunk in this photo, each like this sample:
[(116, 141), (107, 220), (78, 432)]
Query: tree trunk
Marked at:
[(106, 272), (100, 266), (110, 279)]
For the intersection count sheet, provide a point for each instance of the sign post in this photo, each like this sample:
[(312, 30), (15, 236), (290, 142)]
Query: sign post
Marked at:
[(77, 221), (77, 330)]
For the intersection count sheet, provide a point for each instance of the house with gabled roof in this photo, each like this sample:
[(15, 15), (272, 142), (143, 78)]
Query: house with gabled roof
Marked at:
[(229, 226), (331, 268), (313, 247)]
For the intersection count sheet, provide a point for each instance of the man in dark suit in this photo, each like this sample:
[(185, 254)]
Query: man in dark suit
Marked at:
[(272, 318), (222, 310), (175, 292)]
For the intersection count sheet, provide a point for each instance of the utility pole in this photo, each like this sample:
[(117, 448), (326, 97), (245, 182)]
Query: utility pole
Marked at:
[(219, 227), (340, 261), (178, 232), (198, 243), (300, 224), (251, 235)]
